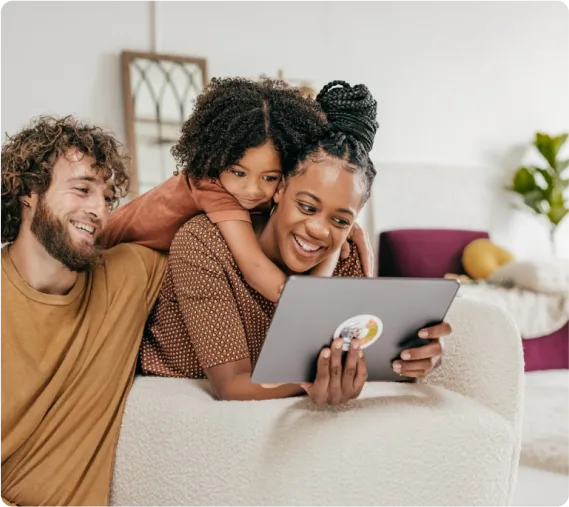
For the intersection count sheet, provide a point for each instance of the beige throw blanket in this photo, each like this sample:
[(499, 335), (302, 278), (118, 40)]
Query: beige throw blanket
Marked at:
[(536, 314)]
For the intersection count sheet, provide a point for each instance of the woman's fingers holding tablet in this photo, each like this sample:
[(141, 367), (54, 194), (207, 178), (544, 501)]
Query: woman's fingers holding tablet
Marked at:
[(350, 369), (433, 349), (419, 361), (418, 368), (361, 374), (318, 390), (334, 383), (433, 332), (335, 395)]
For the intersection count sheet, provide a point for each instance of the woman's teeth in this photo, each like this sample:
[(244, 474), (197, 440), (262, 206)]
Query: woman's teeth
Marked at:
[(307, 247)]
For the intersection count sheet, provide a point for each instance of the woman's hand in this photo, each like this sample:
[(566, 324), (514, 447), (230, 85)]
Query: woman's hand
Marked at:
[(359, 237), (418, 362), (335, 384)]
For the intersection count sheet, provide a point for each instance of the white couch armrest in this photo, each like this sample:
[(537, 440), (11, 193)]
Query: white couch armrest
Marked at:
[(483, 358)]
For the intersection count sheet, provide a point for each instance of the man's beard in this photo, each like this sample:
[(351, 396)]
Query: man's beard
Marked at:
[(52, 233)]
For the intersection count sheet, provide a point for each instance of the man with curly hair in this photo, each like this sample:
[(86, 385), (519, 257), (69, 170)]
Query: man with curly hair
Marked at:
[(72, 314)]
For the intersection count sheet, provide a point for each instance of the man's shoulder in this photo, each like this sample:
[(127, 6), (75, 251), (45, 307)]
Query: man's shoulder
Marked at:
[(131, 257), (125, 252)]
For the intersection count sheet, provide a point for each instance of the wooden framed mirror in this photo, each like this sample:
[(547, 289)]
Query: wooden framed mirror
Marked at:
[(159, 93)]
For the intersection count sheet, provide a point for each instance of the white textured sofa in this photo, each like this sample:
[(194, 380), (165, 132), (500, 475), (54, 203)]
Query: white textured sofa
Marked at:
[(453, 439)]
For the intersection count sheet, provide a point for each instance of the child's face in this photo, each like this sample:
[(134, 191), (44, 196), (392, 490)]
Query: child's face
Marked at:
[(255, 178)]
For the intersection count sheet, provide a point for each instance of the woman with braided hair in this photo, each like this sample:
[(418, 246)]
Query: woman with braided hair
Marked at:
[(209, 323)]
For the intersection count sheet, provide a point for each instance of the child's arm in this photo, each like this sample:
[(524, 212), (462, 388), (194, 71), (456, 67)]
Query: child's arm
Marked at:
[(359, 237), (153, 218), (327, 266), (259, 272)]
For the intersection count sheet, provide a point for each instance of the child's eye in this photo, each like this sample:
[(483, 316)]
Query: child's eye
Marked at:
[(109, 200), (239, 174), (271, 179)]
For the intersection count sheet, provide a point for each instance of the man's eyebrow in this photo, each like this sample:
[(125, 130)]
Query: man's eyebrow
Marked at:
[(319, 201), (83, 178)]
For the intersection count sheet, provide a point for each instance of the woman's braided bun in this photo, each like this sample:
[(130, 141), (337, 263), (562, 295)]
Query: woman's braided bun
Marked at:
[(351, 112)]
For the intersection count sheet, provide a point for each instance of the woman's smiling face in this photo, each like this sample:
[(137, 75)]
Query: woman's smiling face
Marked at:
[(316, 210)]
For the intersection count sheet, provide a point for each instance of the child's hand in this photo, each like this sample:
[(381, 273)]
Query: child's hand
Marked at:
[(280, 294), (359, 237), (327, 266)]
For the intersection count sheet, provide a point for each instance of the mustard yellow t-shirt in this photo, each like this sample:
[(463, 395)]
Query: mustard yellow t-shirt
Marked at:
[(67, 365)]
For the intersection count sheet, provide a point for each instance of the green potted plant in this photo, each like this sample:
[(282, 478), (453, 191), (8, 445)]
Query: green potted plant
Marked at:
[(544, 189)]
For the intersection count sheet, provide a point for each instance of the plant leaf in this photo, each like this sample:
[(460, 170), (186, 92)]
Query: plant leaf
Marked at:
[(556, 214), (546, 176), (524, 181), (556, 196), (549, 146), (533, 199), (561, 165), (558, 142)]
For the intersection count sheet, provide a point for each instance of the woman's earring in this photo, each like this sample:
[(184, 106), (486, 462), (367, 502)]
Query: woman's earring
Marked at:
[(272, 209)]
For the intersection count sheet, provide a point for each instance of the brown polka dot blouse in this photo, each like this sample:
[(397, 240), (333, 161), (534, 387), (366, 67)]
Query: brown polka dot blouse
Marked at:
[(206, 314)]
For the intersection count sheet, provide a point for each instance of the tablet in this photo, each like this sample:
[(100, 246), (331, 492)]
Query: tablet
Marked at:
[(385, 313)]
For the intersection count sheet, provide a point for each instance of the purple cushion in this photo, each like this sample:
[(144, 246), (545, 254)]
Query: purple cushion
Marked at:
[(549, 352), (423, 253)]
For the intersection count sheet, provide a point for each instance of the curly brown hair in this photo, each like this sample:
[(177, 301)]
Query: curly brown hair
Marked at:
[(29, 156), (235, 114)]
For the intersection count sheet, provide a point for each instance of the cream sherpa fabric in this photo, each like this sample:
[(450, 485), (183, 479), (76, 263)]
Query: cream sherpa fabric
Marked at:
[(451, 440), (545, 435)]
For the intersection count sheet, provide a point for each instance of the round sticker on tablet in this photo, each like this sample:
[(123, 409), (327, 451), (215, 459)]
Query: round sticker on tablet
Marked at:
[(367, 328)]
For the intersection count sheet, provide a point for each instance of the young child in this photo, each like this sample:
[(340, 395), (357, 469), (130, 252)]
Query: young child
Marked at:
[(241, 139)]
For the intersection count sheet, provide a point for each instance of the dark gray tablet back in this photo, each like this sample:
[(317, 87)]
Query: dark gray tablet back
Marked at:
[(311, 309)]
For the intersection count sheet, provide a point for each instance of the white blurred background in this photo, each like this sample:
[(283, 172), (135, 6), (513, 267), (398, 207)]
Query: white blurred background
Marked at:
[(462, 86)]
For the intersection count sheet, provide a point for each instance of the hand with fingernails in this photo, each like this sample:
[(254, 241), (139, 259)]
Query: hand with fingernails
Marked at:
[(420, 361), (336, 383)]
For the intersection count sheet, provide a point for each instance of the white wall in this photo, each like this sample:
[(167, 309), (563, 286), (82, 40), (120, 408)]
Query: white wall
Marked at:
[(462, 86)]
